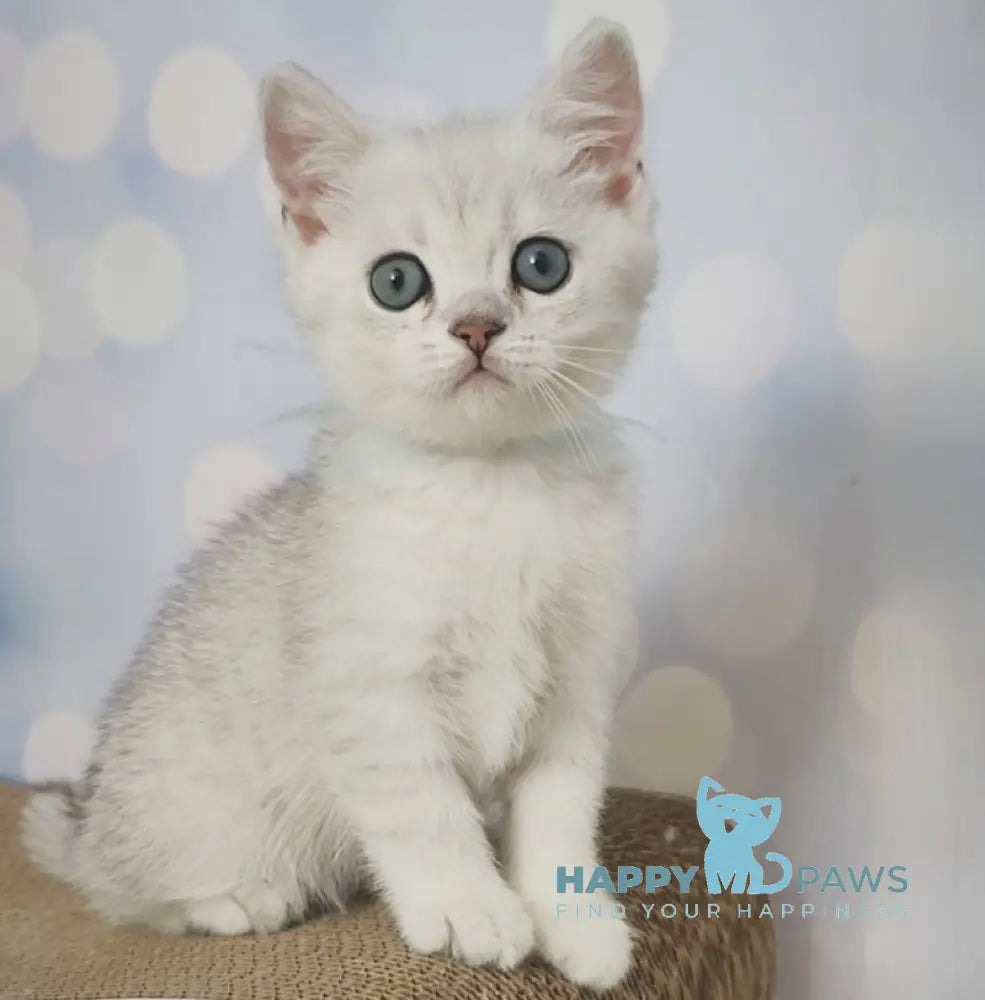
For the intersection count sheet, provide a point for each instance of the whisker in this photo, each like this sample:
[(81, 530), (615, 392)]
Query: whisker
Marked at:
[(557, 416), (589, 371), (594, 350), (553, 405), (574, 385), (302, 412), (587, 412), (244, 345), (593, 411), (536, 394), (572, 425)]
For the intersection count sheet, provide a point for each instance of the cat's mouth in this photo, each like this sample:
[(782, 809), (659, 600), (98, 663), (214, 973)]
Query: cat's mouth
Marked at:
[(479, 375)]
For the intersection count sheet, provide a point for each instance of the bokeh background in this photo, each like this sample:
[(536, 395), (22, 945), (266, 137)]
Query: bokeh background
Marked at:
[(807, 406)]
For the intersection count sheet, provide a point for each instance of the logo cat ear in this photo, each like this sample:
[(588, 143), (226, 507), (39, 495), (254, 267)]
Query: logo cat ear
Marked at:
[(594, 102), (707, 785), (774, 806), (312, 141)]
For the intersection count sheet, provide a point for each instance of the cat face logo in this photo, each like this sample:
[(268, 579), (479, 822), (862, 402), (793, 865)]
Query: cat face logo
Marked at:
[(734, 825)]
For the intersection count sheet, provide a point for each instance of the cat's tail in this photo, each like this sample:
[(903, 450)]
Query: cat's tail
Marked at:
[(50, 825), (784, 862)]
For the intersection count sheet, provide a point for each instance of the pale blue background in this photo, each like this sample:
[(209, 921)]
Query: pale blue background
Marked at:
[(778, 131)]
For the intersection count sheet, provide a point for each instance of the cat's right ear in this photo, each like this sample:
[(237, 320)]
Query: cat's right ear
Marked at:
[(312, 141)]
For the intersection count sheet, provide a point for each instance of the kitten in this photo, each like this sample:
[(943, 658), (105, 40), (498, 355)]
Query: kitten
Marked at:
[(427, 628)]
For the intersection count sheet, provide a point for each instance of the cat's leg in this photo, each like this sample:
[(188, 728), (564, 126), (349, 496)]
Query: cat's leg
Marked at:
[(420, 832), (554, 811), (553, 818), (158, 842), (250, 907), (257, 908), (222, 915)]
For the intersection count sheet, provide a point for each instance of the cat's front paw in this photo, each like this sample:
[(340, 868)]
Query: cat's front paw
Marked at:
[(591, 951), (489, 927)]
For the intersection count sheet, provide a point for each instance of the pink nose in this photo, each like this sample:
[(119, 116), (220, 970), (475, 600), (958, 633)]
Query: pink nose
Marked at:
[(476, 332)]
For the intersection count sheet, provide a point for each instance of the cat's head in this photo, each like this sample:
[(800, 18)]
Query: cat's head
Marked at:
[(479, 281), (739, 818)]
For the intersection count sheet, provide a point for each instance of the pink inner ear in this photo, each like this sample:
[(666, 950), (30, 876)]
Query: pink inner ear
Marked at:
[(618, 190), (285, 151), (309, 226), (313, 141), (599, 109)]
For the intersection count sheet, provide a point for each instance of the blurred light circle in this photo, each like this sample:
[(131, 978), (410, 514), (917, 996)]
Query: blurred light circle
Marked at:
[(732, 321), (57, 747), (13, 59), (899, 648), (15, 230), (137, 282), (647, 21), (748, 591), (219, 482), (202, 111), (913, 295), (60, 272), (71, 95), (20, 331), (673, 726)]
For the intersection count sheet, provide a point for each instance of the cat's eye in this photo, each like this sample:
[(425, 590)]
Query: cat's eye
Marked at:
[(541, 264), (398, 280)]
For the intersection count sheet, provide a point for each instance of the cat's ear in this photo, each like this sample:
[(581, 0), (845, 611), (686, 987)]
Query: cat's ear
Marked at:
[(313, 141), (594, 103)]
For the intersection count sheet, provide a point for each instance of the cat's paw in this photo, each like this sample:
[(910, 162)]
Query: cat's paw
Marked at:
[(254, 909), (489, 927), (591, 951), (221, 915)]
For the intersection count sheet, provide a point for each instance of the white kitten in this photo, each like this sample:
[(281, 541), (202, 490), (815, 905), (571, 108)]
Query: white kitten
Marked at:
[(427, 629)]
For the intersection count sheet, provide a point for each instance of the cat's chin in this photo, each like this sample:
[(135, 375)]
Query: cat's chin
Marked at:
[(478, 412), (476, 424), (480, 380)]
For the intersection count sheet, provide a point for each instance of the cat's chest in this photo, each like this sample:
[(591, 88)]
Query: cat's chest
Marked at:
[(470, 563), (472, 543), (487, 682)]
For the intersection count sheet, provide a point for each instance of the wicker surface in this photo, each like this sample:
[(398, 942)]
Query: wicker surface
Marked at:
[(51, 948)]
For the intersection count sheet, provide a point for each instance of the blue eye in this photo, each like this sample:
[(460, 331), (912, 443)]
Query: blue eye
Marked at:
[(398, 280), (541, 264)]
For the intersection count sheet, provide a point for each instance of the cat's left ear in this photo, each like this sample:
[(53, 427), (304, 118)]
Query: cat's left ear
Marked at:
[(594, 103)]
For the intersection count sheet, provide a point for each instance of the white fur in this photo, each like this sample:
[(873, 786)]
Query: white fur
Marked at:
[(410, 652)]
